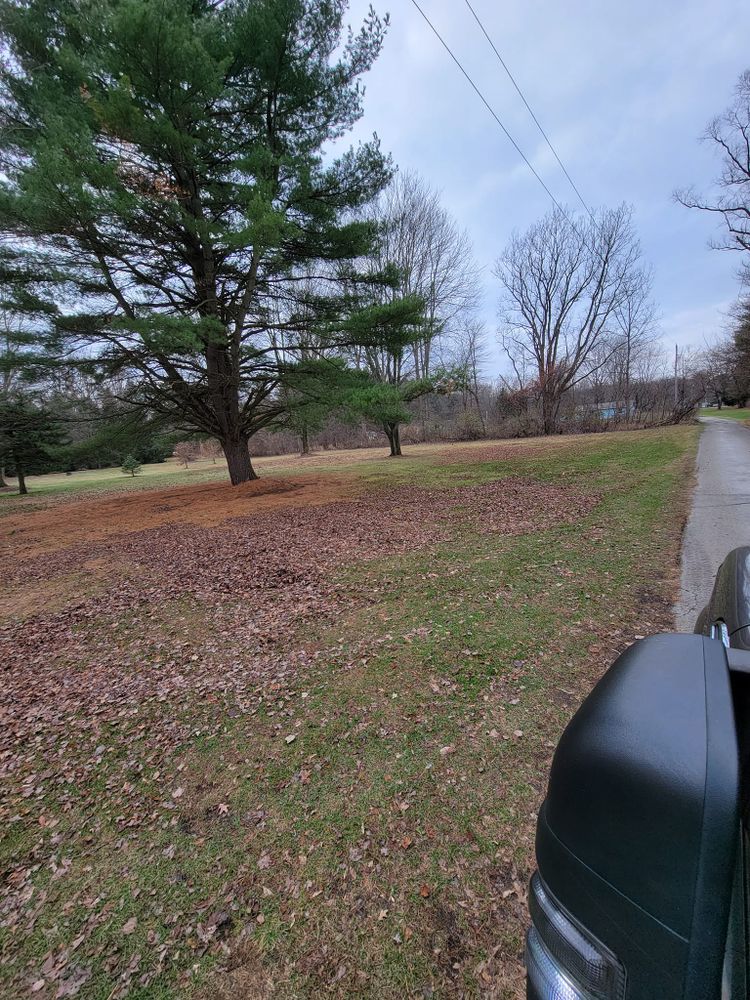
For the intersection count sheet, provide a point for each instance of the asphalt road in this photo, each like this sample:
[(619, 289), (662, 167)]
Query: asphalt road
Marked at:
[(720, 516)]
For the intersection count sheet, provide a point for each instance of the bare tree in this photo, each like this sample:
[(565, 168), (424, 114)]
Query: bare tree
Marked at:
[(615, 358), (741, 352), (432, 263), (717, 370), (730, 132), (564, 284), (725, 365), (186, 452), (468, 354), (637, 321), (210, 448), (434, 260)]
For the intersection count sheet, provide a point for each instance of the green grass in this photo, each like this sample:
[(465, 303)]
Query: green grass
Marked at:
[(156, 476), (399, 825), (726, 413)]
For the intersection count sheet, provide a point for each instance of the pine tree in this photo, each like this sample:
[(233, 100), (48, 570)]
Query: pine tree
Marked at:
[(25, 358), (131, 466), (164, 184), (29, 436), (317, 388), (386, 334)]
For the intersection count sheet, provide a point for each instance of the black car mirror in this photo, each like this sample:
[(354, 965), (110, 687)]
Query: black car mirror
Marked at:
[(637, 838)]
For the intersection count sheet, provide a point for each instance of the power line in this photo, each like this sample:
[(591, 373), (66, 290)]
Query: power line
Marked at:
[(518, 149), (491, 110), (528, 108)]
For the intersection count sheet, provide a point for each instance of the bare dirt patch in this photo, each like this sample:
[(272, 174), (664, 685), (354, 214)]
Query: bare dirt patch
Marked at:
[(91, 521)]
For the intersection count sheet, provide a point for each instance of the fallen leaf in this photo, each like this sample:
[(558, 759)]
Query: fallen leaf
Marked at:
[(73, 982)]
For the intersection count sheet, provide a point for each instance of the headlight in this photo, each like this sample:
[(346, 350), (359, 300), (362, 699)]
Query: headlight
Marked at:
[(563, 961)]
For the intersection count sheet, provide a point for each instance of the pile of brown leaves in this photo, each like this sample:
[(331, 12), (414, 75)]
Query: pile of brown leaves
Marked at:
[(256, 578), (109, 675)]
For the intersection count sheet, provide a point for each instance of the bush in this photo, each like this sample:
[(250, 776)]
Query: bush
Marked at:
[(468, 426)]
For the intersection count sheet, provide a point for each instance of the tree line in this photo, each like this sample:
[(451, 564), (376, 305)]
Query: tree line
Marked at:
[(724, 364), (191, 252)]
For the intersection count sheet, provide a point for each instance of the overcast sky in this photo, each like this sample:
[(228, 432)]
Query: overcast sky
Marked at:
[(624, 90)]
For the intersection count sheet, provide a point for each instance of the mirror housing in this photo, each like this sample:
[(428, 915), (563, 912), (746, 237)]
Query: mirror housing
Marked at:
[(637, 838)]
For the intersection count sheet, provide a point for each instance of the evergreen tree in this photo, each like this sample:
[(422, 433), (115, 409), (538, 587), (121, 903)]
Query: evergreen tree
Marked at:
[(164, 186), (317, 388), (387, 334), (25, 359), (739, 385), (130, 465), (29, 436)]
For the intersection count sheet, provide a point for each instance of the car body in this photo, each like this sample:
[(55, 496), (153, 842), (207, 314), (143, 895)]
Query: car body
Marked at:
[(727, 614)]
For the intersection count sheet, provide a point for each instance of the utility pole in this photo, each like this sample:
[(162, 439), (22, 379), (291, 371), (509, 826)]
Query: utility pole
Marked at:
[(675, 375)]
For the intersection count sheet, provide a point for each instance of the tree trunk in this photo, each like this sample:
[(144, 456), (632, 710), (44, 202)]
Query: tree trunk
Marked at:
[(304, 441), (3, 484), (394, 439), (21, 481), (424, 404), (550, 406), (221, 369), (627, 382), (238, 460), (482, 422)]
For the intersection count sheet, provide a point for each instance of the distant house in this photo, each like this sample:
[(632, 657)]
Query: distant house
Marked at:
[(605, 411)]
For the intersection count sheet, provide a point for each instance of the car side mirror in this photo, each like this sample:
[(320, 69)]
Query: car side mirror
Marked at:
[(637, 838)]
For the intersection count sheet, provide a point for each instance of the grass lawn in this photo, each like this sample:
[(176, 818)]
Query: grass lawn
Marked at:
[(99, 481), (298, 751), (726, 413)]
